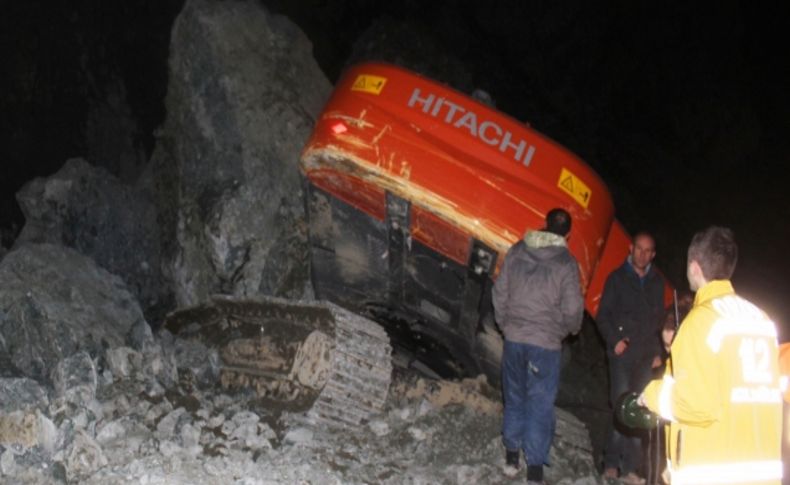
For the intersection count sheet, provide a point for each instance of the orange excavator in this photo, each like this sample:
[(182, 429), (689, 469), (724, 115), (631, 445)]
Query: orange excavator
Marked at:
[(414, 193)]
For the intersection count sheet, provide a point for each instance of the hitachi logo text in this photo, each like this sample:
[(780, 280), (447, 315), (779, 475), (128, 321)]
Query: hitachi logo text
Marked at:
[(486, 130)]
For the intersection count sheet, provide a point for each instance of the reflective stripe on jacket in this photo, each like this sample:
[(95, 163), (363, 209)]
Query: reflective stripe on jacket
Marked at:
[(721, 393), (784, 369)]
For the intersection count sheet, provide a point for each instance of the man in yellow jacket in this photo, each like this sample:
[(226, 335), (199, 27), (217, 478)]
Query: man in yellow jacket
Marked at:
[(721, 390), (784, 370)]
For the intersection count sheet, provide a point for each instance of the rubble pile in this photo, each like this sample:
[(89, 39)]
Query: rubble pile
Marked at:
[(111, 420), (91, 395)]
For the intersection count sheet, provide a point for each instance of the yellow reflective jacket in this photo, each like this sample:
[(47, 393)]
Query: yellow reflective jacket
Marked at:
[(721, 393), (784, 369)]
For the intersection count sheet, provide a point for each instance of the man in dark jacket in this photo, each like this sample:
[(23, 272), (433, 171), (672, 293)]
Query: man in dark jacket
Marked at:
[(537, 302), (630, 310)]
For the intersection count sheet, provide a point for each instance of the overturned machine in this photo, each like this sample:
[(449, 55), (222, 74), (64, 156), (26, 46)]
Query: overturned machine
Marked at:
[(414, 194)]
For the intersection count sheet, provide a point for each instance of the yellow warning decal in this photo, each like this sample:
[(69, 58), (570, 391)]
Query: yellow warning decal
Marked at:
[(574, 187), (369, 84)]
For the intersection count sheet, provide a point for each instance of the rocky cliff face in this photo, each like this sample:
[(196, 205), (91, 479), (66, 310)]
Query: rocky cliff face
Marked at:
[(218, 209)]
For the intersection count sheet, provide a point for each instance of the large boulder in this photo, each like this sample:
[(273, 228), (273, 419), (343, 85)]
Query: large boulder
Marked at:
[(55, 302), (243, 95), (92, 211)]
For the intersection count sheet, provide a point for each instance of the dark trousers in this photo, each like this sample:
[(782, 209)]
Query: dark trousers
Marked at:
[(624, 446), (530, 377)]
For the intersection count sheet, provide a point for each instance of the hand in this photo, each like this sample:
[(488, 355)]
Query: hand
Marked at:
[(656, 362), (619, 347)]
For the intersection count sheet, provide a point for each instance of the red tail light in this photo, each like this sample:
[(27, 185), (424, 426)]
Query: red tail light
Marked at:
[(339, 128)]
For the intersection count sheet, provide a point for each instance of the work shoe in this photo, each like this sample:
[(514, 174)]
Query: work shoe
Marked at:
[(512, 466), (610, 475), (534, 474), (632, 478)]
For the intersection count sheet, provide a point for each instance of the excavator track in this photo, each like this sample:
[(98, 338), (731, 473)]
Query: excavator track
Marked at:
[(314, 356)]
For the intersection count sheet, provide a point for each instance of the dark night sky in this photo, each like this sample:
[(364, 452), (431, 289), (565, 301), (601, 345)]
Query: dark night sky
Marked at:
[(682, 109)]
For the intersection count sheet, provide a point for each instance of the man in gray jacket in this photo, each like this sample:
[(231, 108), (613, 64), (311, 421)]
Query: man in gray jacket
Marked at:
[(537, 302)]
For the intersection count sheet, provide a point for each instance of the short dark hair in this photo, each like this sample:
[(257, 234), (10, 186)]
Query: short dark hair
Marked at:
[(716, 252), (558, 221), (643, 234)]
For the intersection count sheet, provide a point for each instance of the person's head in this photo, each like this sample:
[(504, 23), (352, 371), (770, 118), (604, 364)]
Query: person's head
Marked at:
[(558, 221), (643, 250), (712, 255), (685, 302)]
